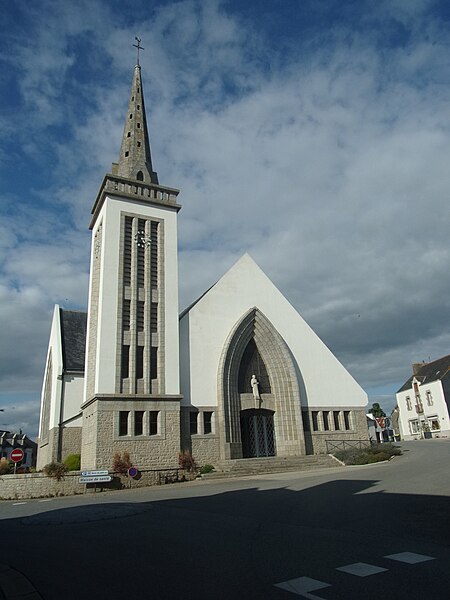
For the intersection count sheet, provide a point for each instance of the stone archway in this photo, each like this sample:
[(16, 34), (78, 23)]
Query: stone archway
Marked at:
[(284, 400)]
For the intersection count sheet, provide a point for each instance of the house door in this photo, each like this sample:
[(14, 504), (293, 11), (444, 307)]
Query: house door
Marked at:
[(257, 433)]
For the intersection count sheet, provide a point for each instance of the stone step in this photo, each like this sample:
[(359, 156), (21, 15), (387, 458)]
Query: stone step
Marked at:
[(257, 466)]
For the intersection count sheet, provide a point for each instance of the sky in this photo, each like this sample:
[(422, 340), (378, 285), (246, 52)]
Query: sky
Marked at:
[(313, 134)]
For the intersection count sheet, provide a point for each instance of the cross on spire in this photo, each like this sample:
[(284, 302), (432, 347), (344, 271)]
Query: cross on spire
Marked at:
[(138, 46)]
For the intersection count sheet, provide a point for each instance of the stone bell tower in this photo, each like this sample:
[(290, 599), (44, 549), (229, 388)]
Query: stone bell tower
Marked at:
[(132, 395)]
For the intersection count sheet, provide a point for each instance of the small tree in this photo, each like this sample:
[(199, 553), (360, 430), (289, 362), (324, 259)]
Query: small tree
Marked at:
[(376, 410), (121, 463), (186, 461), (6, 466)]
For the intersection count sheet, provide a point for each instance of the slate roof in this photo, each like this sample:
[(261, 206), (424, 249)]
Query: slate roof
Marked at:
[(73, 336), (432, 371)]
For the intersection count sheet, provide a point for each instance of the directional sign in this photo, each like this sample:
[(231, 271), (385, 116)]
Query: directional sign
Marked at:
[(17, 455), (95, 479), (93, 473)]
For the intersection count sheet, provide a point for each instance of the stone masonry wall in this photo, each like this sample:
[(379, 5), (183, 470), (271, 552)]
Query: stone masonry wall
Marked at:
[(206, 449), (358, 431), (48, 451), (71, 441)]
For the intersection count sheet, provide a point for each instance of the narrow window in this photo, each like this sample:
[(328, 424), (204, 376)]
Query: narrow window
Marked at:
[(408, 403), (207, 422), (153, 363), (325, 416), (429, 398), (126, 315), (336, 419), (129, 134), (140, 315), (138, 107), (128, 234), (347, 419), (131, 116), (125, 361), (193, 422), (123, 422), (139, 422), (154, 317), (140, 174), (139, 362), (138, 125), (127, 153), (315, 420), (154, 414)]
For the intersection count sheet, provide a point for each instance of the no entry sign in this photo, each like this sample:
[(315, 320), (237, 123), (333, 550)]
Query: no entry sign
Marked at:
[(17, 455)]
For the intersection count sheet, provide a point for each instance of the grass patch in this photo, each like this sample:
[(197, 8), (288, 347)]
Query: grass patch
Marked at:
[(376, 453)]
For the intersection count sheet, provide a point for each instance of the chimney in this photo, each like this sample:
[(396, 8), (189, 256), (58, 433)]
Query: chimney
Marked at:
[(417, 366)]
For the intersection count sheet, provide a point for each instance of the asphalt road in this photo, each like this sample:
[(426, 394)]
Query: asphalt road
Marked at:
[(379, 531)]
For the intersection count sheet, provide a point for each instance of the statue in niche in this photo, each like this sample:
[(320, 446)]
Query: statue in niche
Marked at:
[(255, 388)]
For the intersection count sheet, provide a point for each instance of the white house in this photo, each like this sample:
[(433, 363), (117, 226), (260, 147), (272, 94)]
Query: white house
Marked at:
[(423, 401)]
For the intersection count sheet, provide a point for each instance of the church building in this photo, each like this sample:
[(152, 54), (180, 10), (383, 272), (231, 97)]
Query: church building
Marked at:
[(239, 374)]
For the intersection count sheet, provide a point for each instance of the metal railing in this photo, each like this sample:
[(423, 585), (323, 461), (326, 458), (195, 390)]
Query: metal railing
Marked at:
[(337, 445)]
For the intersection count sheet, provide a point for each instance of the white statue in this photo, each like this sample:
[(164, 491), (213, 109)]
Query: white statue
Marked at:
[(255, 387)]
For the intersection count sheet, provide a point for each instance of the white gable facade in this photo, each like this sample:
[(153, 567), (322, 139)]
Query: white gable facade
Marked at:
[(244, 324)]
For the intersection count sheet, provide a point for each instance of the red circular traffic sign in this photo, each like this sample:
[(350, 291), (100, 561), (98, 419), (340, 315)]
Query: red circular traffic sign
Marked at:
[(17, 455)]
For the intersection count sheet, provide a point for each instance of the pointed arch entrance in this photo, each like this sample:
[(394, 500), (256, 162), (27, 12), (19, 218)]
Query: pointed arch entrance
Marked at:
[(254, 341)]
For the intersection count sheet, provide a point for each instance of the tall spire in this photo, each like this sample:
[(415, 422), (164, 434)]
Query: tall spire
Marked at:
[(135, 161)]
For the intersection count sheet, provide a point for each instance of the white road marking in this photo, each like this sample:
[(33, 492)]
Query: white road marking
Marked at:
[(46, 500), (411, 558), (361, 569), (302, 586), (18, 503)]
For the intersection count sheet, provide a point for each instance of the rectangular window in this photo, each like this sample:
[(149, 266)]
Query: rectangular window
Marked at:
[(336, 420), (414, 426), (429, 398), (139, 362), (207, 422), (315, 420), (153, 362), (326, 423), (128, 234), (154, 317), (408, 403), (123, 422), (139, 422), (434, 423), (347, 419), (125, 362), (154, 416), (193, 422), (154, 254)]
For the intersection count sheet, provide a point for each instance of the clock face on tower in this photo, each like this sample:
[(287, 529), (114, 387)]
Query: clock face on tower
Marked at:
[(141, 239)]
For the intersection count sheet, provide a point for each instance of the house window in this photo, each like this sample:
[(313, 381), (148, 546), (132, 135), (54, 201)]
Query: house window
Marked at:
[(347, 424), (153, 362), (125, 361), (207, 422), (408, 403), (315, 420), (193, 422), (414, 426), (325, 416), (154, 418), (429, 398), (123, 422), (336, 420), (139, 422), (434, 423)]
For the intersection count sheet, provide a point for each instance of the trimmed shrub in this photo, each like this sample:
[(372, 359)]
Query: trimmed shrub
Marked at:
[(206, 469), (55, 469), (73, 462), (6, 466), (121, 463), (374, 454)]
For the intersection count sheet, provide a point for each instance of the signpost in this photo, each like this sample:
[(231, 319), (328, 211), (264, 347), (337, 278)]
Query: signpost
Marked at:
[(95, 477), (17, 455), (132, 472)]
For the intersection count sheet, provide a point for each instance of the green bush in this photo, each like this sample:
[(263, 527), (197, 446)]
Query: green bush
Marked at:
[(206, 469), (55, 469), (73, 462), (376, 453)]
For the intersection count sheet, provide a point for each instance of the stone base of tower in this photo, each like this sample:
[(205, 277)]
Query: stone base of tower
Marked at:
[(147, 427)]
